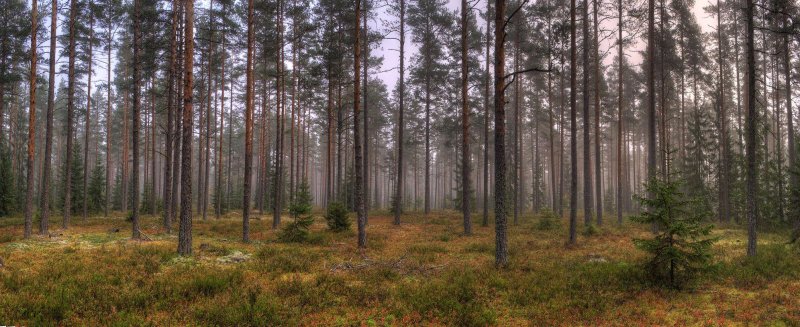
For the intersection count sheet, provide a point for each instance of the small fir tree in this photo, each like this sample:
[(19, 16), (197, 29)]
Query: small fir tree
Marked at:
[(681, 247), (300, 210)]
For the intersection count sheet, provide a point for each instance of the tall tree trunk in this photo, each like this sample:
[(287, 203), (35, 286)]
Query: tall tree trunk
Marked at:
[(70, 113), (359, 170), (598, 157), (501, 241), (400, 124), (365, 58), (651, 91), (587, 150), (87, 132), (185, 230), (137, 103), (168, 145), (486, 83), (48, 143), (248, 117), (752, 123), (31, 125), (278, 187), (620, 122), (573, 129), (465, 154), (724, 179), (218, 184)]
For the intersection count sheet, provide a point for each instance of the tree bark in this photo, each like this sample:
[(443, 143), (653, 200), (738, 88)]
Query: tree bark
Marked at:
[(359, 197), (70, 113), (185, 230), (465, 154), (48, 143), (400, 124), (248, 143), (87, 132), (573, 130), (501, 241), (587, 150), (751, 127), (31, 125), (137, 39)]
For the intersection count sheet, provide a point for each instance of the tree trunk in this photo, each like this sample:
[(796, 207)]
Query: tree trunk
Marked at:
[(359, 197), (248, 117), (587, 150), (70, 113), (501, 241), (651, 91), (170, 122), (185, 230), (486, 83), (620, 122), (87, 132), (400, 124), (31, 125), (573, 130), (465, 154), (752, 125), (598, 157), (137, 39), (48, 143)]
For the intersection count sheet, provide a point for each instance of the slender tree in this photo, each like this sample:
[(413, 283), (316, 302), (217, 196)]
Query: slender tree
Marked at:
[(168, 142), (70, 113), (248, 117), (31, 124), (751, 127), (48, 139), (185, 230), (137, 39), (500, 225), (400, 115), (359, 169), (465, 158), (587, 149), (573, 130)]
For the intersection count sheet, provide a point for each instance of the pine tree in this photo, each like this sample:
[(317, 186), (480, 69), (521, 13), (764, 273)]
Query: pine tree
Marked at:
[(681, 248), (97, 191), (8, 193)]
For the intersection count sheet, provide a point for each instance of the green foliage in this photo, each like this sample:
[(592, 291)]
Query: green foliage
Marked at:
[(548, 220), (455, 298), (296, 231), (301, 205), (771, 262), (76, 184), (8, 193), (338, 217), (97, 189), (681, 247), (590, 230), (299, 208)]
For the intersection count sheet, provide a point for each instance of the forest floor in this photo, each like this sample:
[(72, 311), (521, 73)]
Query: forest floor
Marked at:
[(424, 272)]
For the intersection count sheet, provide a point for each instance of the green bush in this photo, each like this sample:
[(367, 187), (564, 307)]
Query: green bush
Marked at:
[(548, 220), (680, 248), (297, 230), (338, 217)]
